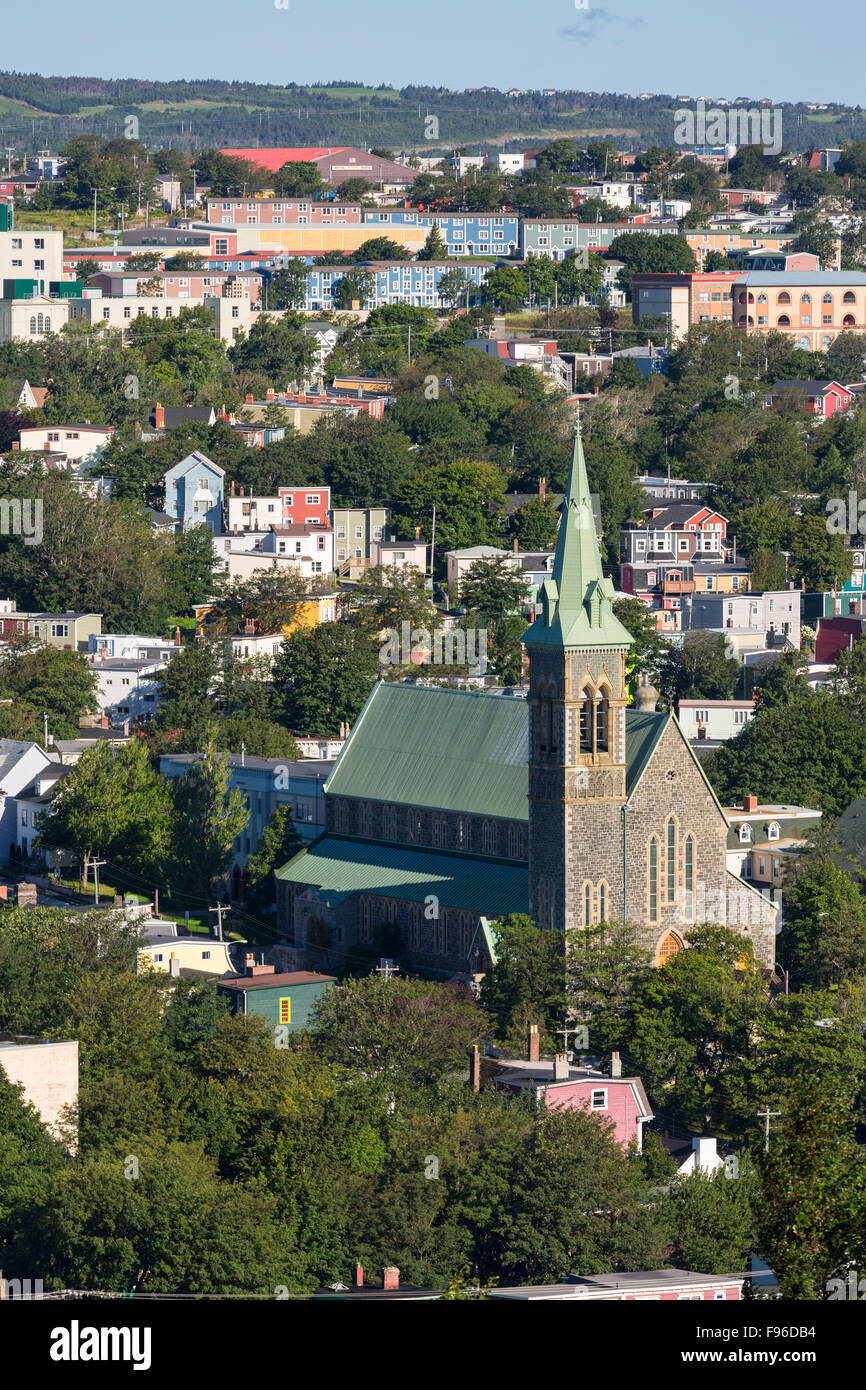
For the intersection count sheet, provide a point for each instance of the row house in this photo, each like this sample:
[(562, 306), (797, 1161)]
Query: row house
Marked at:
[(811, 308), (127, 688), (69, 632), (30, 805), (560, 237), (704, 239), (302, 505), (394, 282), (181, 284), (119, 311), (667, 587), (194, 490), (751, 621), (707, 723), (36, 255), (20, 762), (277, 212), (309, 549), (356, 531), (466, 234), (683, 531)]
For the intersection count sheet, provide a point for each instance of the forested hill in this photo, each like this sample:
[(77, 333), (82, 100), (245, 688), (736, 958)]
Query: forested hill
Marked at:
[(38, 111)]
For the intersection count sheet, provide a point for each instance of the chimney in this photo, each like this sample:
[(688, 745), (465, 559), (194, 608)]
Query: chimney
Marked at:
[(475, 1068), (174, 967), (542, 487), (358, 1278), (516, 544), (232, 489), (534, 1051), (248, 400), (249, 626), (417, 533), (390, 1277), (615, 1064), (560, 1067), (235, 528), (177, 637), (159, 416), (270, 394), (392, 539), (241, 492), (249, 962), (750, 803), (706, 1157)]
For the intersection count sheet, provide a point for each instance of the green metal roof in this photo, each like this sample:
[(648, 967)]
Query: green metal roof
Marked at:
[(451, 750), (342, 866), (457, 750), (576, 602)]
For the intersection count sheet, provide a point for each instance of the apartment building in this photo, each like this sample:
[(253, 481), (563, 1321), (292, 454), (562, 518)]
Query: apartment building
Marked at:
[(36, 255), (686, 299), (811, 308)]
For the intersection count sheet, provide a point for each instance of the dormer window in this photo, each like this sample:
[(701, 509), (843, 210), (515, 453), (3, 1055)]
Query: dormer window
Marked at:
[(745, 833), (773, 830)]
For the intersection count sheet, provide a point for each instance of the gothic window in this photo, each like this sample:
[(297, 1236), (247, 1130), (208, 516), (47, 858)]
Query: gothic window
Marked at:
[(745, 833), (671, 946), (653, 879), (587, 904), (690, 877), (488, 837), (365, 919), (465, 933), (671, 859), (415, 927), (773, 830), (461, 833), (602, 721), (438, 831), (602, 901), (33, 323), (585, 721)]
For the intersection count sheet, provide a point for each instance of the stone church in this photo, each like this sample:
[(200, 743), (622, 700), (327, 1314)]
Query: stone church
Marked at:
[(447, 809)]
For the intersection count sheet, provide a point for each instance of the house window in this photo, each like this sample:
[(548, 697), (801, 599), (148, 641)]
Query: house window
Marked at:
[(745, 833), (773, 830), (598, 1100), (286, 1010)]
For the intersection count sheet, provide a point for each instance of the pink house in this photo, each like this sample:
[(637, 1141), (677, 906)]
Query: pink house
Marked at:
[(611, 1095), (822, 398), (646, 1286)]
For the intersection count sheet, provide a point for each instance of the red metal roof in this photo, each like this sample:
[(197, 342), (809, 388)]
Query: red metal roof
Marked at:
[(297, 977), (274, 159)]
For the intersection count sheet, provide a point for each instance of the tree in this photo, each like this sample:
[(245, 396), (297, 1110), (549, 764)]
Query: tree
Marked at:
[(847, 355), (410, 1031), (278, 843), (605, 965), (435, 246), (816, 235), (112, 803), (455, 285), (641, 252), (783, 682), (207, 816), (269, 598), (186, 687), (379, 248), (84, 270), (536, 524), (647, 647), (526, 984), (386, 596), (355, 190), (825, 918), (506, 287), (287, 288), (813, 1188), (711, 1219), (277, 348), (698, 668), (354, 289), (301, 179), (492, 587), (817, 556), (322, 678), (43, 680)]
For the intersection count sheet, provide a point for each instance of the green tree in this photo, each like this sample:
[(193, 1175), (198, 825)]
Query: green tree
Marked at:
[(526, 983), (386, 596), (278, 843), (825, 918), (536, 524), (322, 677), (356, 287), (276, 348), (41, 681), (435, 246), (699, 667), (711, 1219), (207, 816), (287, 288), (301, 179)]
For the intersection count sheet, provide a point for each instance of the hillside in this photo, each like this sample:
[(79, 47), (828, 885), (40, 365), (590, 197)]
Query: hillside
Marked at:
[(38, 111)]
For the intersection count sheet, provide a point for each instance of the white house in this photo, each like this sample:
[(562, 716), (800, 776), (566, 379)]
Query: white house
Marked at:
[(20, 763), (714, 720), (31, 804), (459, 562), (78, 444), (127, 688), (102, 645), (31, 318)]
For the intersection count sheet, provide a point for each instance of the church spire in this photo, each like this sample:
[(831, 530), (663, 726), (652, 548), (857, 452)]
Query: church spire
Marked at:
[(576, 602)]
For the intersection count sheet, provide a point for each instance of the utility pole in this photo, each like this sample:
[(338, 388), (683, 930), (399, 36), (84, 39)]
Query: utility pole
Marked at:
[(194, 173), (95, 191), (219, 910), (566, 1033), (96, 865), (432, 539), (767, 1115), (386, 968), (45, 725)]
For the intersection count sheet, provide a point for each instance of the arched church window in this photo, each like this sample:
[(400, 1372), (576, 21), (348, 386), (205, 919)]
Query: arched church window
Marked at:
[(672, 859), (653, 880), (585, 721), (587, 904), (602, 720), (602, 901), (690, 877)]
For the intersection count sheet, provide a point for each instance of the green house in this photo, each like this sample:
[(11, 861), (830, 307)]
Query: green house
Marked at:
[(286, 999)]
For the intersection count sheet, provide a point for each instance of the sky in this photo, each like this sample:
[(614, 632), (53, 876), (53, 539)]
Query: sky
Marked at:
[(739, 48)]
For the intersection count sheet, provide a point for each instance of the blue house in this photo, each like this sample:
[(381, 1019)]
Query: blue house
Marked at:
[(394, 282), (194, 493)]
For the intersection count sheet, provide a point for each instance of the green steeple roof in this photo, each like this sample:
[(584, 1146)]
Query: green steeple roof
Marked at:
[(576, 602)]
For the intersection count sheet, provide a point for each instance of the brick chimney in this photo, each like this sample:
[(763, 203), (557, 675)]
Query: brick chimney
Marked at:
[(750, 803), (270, 394), (177, 637), (475, 1068), (249, 626), (534, 1051), (542, 487), (159, 416), (615, 1064), (390, 1277), (358, 1277), (249, 398), (417, 533), (232, 489)]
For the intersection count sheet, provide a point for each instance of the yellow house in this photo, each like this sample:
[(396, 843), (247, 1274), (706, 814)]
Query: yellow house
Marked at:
[(185, 955), (319, 241), (315, 609)]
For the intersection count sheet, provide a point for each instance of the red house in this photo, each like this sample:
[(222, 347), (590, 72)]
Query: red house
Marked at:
[(621, 1099), (822, 398), (833, 636)]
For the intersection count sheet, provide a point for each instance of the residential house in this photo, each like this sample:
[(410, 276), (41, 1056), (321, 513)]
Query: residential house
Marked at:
[(326, 336), (128, 689), (465, 234), (750, 621), (21, 761), (560, 1086), (31, 397), (355, 531), (190, 957), (459, 562), (308, 506), (171, 416), (31, 804), (762, 839), (405, 554), (78, 446), (286, 1000), (31, 255), (655, 1285), (659, 488), (48, 1072), (129, 644), (68, 631), (393, 282), (822, 398), (194, 493), (707, 723), (559, 238), (539, 353)]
